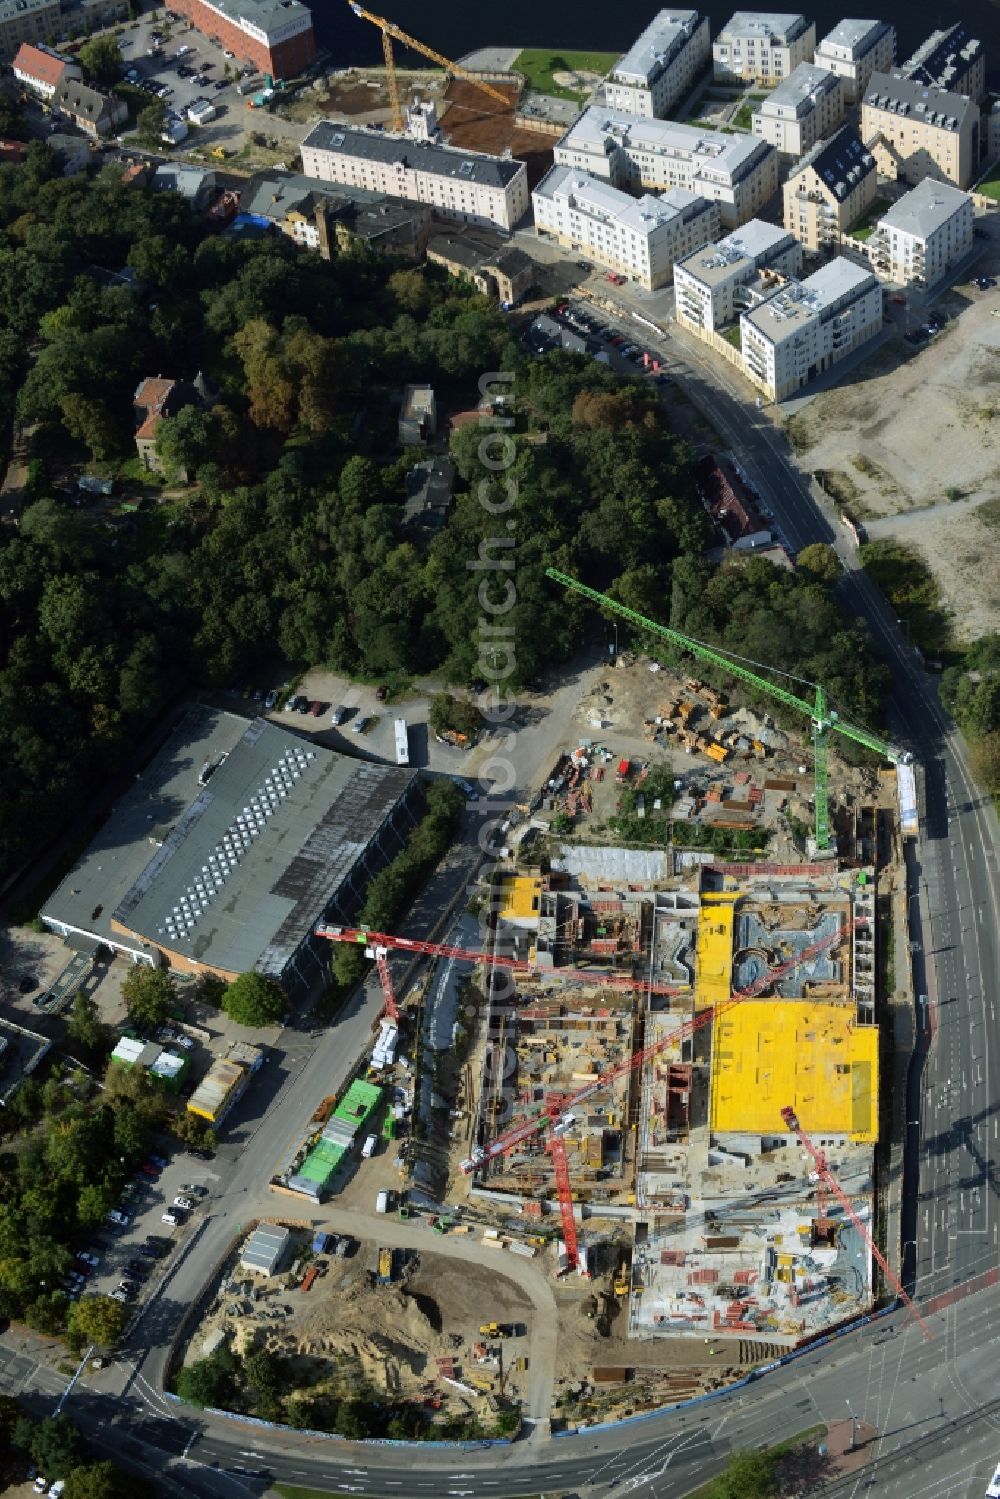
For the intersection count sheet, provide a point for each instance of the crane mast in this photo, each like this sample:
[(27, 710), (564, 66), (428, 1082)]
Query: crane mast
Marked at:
[(390, 30), (824, 720), (828, 1179)]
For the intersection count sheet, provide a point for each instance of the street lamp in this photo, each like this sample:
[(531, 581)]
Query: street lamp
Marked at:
[(854, 1423)]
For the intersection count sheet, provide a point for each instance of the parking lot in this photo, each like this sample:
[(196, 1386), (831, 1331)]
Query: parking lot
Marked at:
[(188, 66), (122, 1248)]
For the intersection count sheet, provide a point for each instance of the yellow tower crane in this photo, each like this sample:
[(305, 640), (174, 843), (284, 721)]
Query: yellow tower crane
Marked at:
[(389, 30)]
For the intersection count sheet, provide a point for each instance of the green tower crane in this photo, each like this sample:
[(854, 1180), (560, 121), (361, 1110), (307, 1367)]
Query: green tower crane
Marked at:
[(824, 720)]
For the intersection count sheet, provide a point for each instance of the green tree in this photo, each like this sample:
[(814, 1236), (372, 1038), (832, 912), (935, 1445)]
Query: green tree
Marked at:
[(47, 1313), (96, 1319), (984, 760), (210, 1381), (85, 1026), (448, 712), (253, 999), (149, 995), (748, 1475), (821, 560), (94, 1202), (104, 1481), (55, 1443), (150, 122), (101, 61)]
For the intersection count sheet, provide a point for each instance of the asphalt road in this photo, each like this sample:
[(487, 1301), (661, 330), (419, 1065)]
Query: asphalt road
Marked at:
[(933, 1404)]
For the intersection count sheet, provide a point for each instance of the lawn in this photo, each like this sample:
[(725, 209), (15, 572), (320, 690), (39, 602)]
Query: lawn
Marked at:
[(716, 1489), (743, 118), (865, 228), (990, 185), (538, 65), (734, 336)]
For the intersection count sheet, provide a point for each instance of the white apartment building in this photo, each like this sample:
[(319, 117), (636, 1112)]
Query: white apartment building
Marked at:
[(854, 50), (762, 46), (804, 108), (465, 185), (923, 234), (637, 237), (808, 326), (661, 65), (736, 172), (915, 130), (716, 283)]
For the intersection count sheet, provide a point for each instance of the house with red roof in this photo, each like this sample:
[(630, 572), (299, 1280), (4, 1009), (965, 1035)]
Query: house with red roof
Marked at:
[(154, 399), (41, 69)]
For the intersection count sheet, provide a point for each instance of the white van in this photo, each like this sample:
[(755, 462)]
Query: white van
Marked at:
[(368, 1148), (382, 1202)]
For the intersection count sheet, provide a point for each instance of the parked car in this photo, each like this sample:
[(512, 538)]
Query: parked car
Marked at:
[(230, 55), (184, 1042), (170, 1219), (359, 725), (337, 716), (149, 1251), (316, 709), (119, 1219), (138, 1267), (93, 1260), (221, 83), (290, 704), (184, 1203), (150, 1170), (118, 1294), (301, 704), (381, 693), (157, 1161), (183, 51), (271, 699)]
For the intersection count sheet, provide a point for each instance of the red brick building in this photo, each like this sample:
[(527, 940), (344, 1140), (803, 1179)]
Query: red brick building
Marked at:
[(275, 36)]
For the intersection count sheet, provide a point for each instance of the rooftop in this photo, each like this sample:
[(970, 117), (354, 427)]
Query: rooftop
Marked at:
[(79, 98), (41, 63), (274, 195), (926, 208), (943, 56), (265, 1247), (800, 91), (798, 302), (655, 48), (600, 130), (421, 156), (781, 26), (15, 10), (921, 101), (593, 196), (840, 162), (230, 866), (179, 177), (269, 15), (856, 37), (814, 1058), (753, 244)]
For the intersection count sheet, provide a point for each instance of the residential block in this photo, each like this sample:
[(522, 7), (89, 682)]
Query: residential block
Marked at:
[(806, 106), (660, 67), (762, 46), (829, 190), (854, 50)]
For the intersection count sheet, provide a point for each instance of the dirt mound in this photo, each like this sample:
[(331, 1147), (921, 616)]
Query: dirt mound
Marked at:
[(373, 1325)]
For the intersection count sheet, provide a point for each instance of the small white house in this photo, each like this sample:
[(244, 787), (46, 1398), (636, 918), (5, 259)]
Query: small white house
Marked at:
[(174, 131)]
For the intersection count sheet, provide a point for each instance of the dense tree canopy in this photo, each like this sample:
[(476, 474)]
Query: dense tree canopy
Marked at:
[(255, 1000), (287, 536)]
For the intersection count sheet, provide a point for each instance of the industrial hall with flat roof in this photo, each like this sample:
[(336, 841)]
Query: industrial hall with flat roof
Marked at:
[(232, 845)]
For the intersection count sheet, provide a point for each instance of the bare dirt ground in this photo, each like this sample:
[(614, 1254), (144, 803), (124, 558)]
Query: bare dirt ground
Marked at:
[(960, 545), (916, 427), (912, 448), (477, 122), (347, 1326)]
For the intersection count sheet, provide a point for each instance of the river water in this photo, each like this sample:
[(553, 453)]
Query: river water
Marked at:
[(455, 28)]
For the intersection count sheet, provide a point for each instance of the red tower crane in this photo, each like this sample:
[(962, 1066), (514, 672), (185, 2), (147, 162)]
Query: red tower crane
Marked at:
[(382, 964), (557, 1113), (375, 940), (828, 1179)]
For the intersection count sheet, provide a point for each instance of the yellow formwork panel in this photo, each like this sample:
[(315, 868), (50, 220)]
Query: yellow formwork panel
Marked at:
[(520, 898), (769, 1055), (715, 948)]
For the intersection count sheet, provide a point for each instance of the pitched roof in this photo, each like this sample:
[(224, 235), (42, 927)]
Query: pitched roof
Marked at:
[(80, 100), (40, 63), (151, 397)]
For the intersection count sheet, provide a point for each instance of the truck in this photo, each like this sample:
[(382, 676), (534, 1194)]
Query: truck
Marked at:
[(384, 1271), (249, 86), (322, 1242), (382, 1202), (402, 742)]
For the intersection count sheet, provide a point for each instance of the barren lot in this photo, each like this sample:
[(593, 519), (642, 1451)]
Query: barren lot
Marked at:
[(912, 448), (918, 427)]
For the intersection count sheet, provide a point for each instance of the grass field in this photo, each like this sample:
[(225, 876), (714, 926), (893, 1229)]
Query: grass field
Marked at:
[(539, 65), (990, 185), (866, 227), (716, 1487)]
